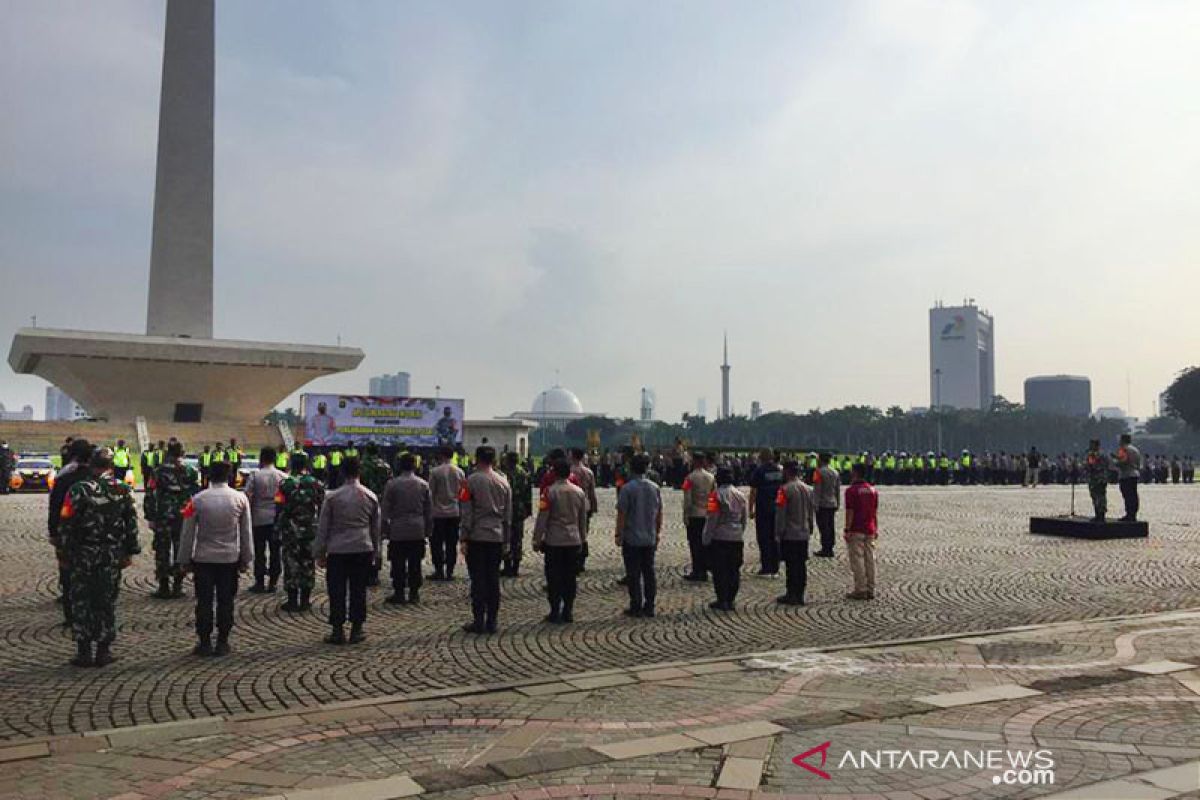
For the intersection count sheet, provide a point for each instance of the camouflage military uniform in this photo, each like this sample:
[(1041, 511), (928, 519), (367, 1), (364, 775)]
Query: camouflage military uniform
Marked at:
[(167, 492), (375, 475), (99, 532), (299, 502), (1097, 479), (522, 509)]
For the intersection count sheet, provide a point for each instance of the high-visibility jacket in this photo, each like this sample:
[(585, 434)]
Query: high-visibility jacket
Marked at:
[(319, 461), (205, 458), (281, 460), (335, 458), (121, 457)]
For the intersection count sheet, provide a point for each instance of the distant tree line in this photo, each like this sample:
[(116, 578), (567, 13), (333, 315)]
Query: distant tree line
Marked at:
[(1005, 427)]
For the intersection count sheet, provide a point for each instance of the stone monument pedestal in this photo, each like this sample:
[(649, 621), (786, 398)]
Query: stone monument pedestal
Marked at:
[(1085, 528)]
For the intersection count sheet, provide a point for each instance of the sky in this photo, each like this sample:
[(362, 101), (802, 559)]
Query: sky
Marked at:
[(498, 196)]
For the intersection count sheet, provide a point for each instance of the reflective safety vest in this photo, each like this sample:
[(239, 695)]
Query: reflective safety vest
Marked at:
[(205, 458), (966, 461), (945, 463), (281, 460), (121, 457), (319, 461), (335, 458)]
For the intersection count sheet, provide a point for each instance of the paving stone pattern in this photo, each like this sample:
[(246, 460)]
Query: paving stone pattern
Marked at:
[(950, 560)]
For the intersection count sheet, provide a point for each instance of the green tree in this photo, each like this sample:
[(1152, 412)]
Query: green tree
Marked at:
[(1183, 397)]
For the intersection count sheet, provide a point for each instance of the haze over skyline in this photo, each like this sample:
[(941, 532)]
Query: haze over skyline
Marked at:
[(481, 194)]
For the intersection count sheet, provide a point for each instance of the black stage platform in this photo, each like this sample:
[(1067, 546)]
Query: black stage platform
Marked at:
[(1084, 528)]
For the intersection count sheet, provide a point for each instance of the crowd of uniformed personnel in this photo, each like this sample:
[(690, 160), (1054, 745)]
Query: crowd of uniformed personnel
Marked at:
[(293, 512)]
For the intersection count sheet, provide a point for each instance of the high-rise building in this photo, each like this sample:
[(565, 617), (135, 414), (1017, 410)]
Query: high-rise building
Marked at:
[(1070, 395), (755, 409), (24, 415), (962, 362), (646, 411), (398, 385), (61, 407), (725, 381)]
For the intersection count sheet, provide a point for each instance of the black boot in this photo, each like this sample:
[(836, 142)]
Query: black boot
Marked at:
[(83, 655), (336, 636), (356, 633), (177, 587), (305, 599), (272, 586), (568, 612), (258, 587), (414, 596), (293, 603), (222, 648), (203, 647), (164, 590), (104, 655)]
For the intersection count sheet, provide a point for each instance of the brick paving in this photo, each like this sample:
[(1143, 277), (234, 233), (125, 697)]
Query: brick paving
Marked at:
[(730, 729), (951, 560)]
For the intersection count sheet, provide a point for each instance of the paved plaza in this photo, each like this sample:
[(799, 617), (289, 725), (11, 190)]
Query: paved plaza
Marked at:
[(674, 705)]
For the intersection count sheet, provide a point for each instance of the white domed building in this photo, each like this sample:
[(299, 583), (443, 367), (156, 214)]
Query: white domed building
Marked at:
[(554, 408)]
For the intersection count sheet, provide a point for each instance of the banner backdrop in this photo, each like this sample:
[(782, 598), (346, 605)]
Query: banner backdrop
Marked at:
[(342, 419)]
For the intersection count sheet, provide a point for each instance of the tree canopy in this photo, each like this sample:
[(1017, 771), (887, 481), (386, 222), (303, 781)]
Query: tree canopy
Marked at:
[(1183, 398)]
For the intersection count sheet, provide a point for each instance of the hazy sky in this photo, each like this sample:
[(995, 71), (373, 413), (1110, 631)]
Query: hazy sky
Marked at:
[(482, 193)]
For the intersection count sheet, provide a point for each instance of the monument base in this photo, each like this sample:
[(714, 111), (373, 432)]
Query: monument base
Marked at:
[(118, 377), (1085, 528)]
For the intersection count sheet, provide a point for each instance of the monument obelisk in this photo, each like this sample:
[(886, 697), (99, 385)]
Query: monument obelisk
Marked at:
[(177, 373), (181, 252)]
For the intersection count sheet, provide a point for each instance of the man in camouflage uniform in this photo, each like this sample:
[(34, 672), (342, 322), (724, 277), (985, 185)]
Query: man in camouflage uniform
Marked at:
[(167, 492), (99, 532), (1097, 478), (522, 509), (375, 475), (299, 502)]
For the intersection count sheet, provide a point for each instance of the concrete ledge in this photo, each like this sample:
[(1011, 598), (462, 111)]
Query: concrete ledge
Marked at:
[(161, 731)]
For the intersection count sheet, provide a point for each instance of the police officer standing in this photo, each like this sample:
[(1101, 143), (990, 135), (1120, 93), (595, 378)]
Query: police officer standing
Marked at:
[(167, 493), (559, 534), (486, 503), (794, 516), (261, 489), (375, 474), (445, 483), (639, 529), (407, 511), (298, 505), (697, 486), (764, 485), (99, 535), (1129, 464), (348, 545), (121, 460), (724, 532), (6, 467), (827, 491)]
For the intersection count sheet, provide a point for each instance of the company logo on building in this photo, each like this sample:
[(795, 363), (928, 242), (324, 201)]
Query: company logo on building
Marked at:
[(954, 329)]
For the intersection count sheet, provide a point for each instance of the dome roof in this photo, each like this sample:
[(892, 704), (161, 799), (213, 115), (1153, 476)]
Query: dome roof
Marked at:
[(556, 401)]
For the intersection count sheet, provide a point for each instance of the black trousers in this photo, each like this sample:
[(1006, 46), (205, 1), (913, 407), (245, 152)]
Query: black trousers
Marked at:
[(695, 540), (795, 558), (347, 573), (1129, 493), (562, 569), (768, 548), (825, 524), (265, 539), (444, 544), (406, 558), (639, 569), (483, 565), (725, 561), (217, 581)]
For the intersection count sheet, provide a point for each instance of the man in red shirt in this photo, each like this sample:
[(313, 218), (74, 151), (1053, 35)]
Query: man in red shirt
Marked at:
[(862, 529)]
